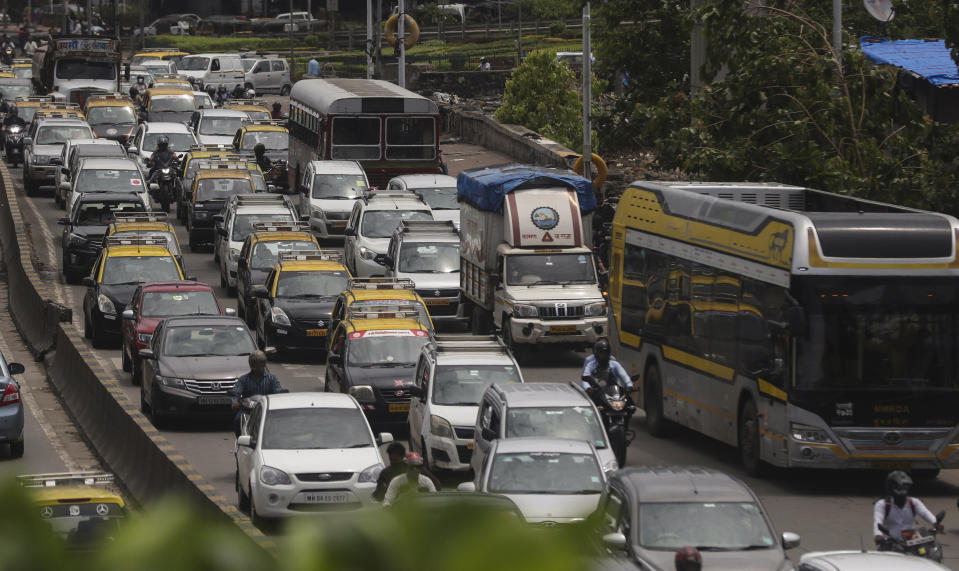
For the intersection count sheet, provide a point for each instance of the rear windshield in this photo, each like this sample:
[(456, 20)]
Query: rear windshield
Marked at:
[(172, 103), (112, 115), (58, 134), (221, 126), (103, 213), (221, 188), (109, 180), (169, 303)]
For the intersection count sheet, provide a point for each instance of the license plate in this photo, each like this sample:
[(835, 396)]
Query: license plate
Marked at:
[(919, 540), (437, 301), (469, 445), (400, 407), (315, 332), (566, 329), (326, 498), (214, 401)]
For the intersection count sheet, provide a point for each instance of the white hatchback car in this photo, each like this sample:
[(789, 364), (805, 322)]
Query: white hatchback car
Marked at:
[(437, 190), (304, 453), (552, 481), (865, 561)]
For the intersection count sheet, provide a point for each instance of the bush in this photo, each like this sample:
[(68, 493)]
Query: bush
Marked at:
[(557, 29)]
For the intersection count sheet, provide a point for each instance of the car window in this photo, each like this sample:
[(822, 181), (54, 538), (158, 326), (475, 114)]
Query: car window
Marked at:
[(261, 67), (573, 422), (279, 65), (315, 429), (382, 223), (719, 526), (612, 511), (243, 223), (545, 473), (464, 385), (265, 253), (311, 284), (170, 303), (207, 341), (134, 269), (59, 134)]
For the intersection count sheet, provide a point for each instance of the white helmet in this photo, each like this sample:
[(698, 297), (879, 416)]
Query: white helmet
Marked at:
[(250, 94)]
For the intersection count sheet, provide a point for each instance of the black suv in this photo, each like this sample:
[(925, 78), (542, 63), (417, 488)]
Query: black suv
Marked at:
[(84, 229)]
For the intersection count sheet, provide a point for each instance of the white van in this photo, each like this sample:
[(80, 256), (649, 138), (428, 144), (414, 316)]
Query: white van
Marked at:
[(212, 69), (327, 193), (268, 75)]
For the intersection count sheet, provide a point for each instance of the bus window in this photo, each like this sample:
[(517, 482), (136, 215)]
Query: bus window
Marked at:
[(410, 138), (356, 138)]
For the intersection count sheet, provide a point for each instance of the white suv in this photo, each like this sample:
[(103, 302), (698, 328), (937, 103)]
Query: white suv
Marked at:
[(371, 225), (42, 147), (328, 191), (451, 376), (437, 190)]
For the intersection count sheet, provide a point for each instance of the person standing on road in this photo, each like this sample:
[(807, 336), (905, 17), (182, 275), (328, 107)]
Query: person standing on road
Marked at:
[(258, 381), (313, 67), (412, 481)]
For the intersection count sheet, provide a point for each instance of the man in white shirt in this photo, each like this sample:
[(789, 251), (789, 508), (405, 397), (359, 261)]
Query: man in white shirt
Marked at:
[(413, 481), (897, 512)]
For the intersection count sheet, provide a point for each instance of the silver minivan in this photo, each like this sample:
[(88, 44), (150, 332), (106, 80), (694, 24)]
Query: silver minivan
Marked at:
[(268, 75), (213, 69)]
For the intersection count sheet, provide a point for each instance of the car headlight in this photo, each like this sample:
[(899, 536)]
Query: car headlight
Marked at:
[(595, 309), (144, 337), (525, 310), (362, 393), (369, 475), (366, 253), (105, 304), (316, 212), (76, 240), (234, 253), (279, 317), (806, 433), (41, 159), (171, 382), (439, 426), (612, 466), (273, 477)]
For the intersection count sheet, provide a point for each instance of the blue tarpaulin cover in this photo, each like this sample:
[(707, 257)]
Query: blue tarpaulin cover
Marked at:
[(929, 60), (485, 188)]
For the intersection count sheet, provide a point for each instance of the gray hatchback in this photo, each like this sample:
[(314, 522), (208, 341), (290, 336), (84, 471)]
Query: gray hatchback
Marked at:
[(11, 407)]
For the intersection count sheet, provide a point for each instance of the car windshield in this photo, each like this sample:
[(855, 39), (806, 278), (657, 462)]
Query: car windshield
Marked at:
[(545, 473), (571, 422), (26, 113), (311, 284), (79, 68), (257, 115), (170, 303), (315, 429), (248, 64), (136, 269), (207, 341), (172, 103), (109, 180), (103, 213), (11, 92), (708, 526), (272, 140), (538, 269), (203, 101), (59, 134), (442, 198), (429, 258), (243, 223), (265, 253), (381, 223), (112, 115), (77, 522), (385, 348), (221, 126), (221, 188), (338, 186), (194, 63), (178, 141), (464, 385), (171, 243)]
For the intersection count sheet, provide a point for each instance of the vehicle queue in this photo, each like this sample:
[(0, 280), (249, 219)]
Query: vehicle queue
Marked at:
[(274, 200)]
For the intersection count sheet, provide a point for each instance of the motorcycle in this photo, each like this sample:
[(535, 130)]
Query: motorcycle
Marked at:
[(616, 409), (165, 179), (7, 53), (921, 542), (277, 175), (13, 144)]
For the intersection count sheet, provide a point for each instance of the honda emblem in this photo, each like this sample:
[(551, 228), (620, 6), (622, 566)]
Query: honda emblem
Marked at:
[(215, 385)]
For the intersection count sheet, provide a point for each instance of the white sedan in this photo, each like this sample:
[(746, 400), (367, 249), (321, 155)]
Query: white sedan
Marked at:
[(865, 561), (305, 453)]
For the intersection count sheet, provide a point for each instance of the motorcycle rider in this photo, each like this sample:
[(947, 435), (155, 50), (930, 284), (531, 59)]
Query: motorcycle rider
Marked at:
[(259, 151), (277, 111), (138, 89), (13, 118), (5, 45), (258, 381), (602, 361), (897, 511), (162, 156), (413, 480), (222, 94)]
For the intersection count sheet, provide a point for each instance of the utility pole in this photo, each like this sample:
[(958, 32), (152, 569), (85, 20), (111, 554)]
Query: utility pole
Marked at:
[(89, 17), (369, 39), (379, 38), (587, 96), (143, 36), (292, 60), (401, 42), (519, 32), (837, 29)]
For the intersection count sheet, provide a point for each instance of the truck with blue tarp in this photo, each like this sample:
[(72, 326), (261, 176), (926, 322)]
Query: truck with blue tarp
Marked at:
[(526, 266)]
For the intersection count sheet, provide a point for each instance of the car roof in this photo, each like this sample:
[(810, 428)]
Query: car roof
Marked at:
[(869, 561), (310, 400), (537, 444), (412, 203), (337, 167), (166, 126), (203, 173), (386, 324), (112, 163), (122, 227), (167, 90), (466, 358), (127, 251), (222, 113), (109, 197), (311, 266), (540, 394), (429, 236), (683, 484), (282, 236), (63, 120), (116, 102), (264, 128), (373, 294), (427, 180), (177, 286), (95, 143), (201, 320), (79, 494)]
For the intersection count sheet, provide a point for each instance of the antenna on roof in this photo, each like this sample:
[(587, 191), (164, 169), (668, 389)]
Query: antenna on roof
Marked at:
[(881, 10)]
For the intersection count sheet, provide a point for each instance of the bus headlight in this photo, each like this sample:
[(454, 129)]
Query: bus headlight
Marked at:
[(806, 433)]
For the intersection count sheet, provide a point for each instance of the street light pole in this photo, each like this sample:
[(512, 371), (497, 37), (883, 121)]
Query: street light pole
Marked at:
[(837, 29), (292, 60), (401, 42), (587, 95), (369, 39)]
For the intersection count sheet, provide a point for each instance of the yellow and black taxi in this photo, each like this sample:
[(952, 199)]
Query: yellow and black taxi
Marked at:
[(205, 157), (255, 109), (168, 104), (158, 53), (373, 357), (212, 187), (22, 68), (27, 106), (111, 116), (146, 225), (124, 263), (260, 252), (389, 292), (172, 81), (81, 507), (293, 306), (276, 139)]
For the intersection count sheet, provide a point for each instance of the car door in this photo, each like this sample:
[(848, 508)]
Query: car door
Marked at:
[(278, 74), (349, 244), (305, 207), (261, 76), (215, 73), (246, 455), (243, 273), (129, 326), (336, 371), (263, 305), (148, 366), (483, 422), (419, 406)]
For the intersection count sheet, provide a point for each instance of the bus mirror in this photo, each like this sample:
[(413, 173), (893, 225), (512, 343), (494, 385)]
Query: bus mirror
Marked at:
[(796, 319)]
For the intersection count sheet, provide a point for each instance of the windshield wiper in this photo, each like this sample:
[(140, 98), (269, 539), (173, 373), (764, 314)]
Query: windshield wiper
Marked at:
[(752, 547), (459, 403), (583, 492), (713, 548), (543, 282)]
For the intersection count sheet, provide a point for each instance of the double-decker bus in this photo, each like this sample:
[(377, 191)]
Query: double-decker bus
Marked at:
[(806, 328), (391, 131)]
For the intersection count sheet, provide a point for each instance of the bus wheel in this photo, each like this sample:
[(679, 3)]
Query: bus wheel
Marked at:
[(656, 422), (749, 445)]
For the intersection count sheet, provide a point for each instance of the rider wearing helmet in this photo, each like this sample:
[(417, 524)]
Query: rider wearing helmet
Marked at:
[(688, 559), (601, 363), (13, 118), (222, 94), (162, 156), (258, 381), (412, 481), (259, 150), (897, 511)]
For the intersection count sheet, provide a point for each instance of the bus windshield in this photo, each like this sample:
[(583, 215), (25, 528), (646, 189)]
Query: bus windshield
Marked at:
[(540, 269), (863, 333)]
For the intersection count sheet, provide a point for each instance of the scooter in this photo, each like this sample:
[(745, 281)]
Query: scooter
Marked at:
[(921, 542), (617, 409), (13, 144)]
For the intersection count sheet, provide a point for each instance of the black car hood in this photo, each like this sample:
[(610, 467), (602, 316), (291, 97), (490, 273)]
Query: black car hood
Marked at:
[(120, 294), (316, 308), (381, 377), (205, 368), (120, 130)]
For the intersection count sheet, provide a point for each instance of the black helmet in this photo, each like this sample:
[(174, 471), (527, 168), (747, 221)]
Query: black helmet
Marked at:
[(277, 106), (898, 483), (163, 142), (688, 559), (259, 149), (602, 349), (211, 90), (12, 111)]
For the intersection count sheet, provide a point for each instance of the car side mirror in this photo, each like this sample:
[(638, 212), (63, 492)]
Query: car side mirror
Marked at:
[(270, 350), (350, 232), (146, 354), (63, 221), (488, 434), (244, 440), (260, 291), (271, 188), (790, 540), (466, 487), (415, 391), (154, 186), (333, 360), (132, 150), (229, 312), (383, 260), (88, 282), (65, 171), (242, 264), (615, 541), (128, 315), (18, 369), (218, 218), (222, 231), (384, 438), (27, 141)]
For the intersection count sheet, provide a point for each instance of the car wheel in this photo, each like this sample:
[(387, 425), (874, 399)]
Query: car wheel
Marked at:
[(242, 499), (656, 422), (507, 334), (17, 448), (285, 90), (87, 328), (125, 361), (255, 517), (100, 336), (749, 441)]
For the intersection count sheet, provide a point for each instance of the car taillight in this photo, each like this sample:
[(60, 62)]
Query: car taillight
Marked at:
[(11, 395)]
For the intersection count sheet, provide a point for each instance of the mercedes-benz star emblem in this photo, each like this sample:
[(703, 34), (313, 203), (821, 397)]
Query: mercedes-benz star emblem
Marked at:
[(103, 509)]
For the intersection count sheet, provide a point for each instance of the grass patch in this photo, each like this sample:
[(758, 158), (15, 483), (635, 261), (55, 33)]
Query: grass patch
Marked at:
[(202, 44)]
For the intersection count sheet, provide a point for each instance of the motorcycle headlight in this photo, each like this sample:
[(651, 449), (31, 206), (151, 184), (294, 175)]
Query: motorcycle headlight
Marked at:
[(273, 477), (525, 310), (279, 317), (806, 433), (105, 304), (616, 404), (369, 475), (171, 382), (595, 309), (439, 426), (14, 129), (362, 393), (76, 240), (144, 337)]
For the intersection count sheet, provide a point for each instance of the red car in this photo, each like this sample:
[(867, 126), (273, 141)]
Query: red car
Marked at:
[(152, 302)]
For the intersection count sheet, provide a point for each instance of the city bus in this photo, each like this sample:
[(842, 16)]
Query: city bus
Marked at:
[(391, 131), (805, 328)]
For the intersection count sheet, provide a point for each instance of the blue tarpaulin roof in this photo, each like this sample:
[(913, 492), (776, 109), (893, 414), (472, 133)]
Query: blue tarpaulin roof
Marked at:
[(485, 188), (929, 60)]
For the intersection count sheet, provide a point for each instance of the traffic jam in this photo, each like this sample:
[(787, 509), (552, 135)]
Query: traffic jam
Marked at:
[(414, 299)]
